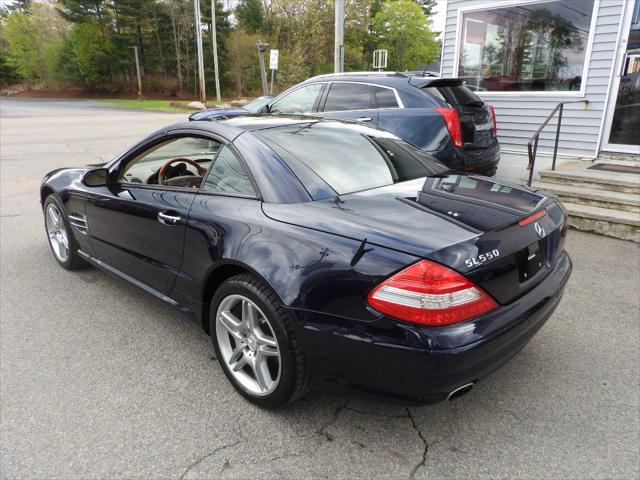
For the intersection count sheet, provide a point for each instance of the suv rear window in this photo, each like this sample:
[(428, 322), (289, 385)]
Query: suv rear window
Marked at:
[(348, 96), (454, 95), (349, 158), (385, 97)]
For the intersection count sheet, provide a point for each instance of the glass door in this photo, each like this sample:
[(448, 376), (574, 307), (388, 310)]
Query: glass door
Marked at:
[(623, 116)]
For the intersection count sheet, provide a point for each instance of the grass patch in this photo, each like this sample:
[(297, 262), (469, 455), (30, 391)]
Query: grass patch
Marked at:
[(158, 105)]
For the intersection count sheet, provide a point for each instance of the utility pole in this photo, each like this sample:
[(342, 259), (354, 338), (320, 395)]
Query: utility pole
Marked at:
[(263, 74), (135, 51), (203, 93), (338, 54), (215, 48)]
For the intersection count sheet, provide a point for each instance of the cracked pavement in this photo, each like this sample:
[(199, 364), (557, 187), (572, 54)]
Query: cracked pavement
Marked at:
[(100, 380)]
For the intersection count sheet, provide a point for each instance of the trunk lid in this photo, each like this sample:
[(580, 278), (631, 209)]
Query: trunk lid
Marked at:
[(468, 223), (476, 120)]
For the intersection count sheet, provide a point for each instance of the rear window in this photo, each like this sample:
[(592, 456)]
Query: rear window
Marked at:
[(348, 158), (385, 97), (454, 95), (348, 96)]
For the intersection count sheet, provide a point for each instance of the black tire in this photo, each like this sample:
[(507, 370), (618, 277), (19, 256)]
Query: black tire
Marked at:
[(73, 260), (294, 379)]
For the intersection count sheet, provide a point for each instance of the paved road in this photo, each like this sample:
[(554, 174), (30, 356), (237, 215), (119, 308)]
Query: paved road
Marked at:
[(99, 380)]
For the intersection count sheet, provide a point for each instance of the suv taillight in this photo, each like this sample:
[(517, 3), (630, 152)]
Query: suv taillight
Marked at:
[(451, 120), (495, 123), (428, 293)]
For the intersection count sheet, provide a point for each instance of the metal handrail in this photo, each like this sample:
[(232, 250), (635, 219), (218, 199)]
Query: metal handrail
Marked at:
[(532, 145)]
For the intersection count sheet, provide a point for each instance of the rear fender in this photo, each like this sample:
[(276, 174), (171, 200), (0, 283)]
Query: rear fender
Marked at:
[(306, 268)]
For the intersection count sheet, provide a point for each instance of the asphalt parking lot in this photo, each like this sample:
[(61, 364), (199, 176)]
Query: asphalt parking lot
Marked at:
[(100, 380)]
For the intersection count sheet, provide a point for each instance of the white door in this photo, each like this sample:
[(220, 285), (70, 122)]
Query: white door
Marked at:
[(623, 112)]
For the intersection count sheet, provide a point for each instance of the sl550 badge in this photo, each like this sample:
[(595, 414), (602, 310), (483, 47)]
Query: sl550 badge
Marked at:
[(482, 258)]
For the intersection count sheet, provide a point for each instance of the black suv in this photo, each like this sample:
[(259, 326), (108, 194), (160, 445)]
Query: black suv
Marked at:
[(439, 115)]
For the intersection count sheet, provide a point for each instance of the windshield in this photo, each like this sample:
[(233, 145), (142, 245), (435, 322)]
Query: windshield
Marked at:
[(349, 158), (257, 103)]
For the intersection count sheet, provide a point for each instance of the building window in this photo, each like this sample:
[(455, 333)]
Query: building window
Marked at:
[(526, 47)]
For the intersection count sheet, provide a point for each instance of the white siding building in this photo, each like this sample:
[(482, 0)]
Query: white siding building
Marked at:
[(526, 56)]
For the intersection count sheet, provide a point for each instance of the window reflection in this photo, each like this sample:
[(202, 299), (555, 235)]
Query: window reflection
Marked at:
[(532, 47), (484, 189)]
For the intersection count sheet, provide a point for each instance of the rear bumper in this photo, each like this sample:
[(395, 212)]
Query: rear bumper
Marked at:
[(479, 160), (402, 362)]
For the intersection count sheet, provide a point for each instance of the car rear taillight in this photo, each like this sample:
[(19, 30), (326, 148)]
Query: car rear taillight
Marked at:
[(495, 123), (451, 120), (428, 293), (532, 218)]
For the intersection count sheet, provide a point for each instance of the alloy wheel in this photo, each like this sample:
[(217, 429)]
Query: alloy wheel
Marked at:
[(57, 233), (247, 344)]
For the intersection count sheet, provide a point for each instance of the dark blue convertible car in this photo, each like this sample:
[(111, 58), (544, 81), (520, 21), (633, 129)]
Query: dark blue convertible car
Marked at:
[(320, 251)]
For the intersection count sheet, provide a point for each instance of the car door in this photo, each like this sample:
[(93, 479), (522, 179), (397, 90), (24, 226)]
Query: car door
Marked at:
[(350, 101), (137, 225), (225, 215)]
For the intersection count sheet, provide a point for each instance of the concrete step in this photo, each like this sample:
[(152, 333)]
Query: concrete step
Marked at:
[(613, 223), (620, 163), (581, 195), (614, 157), (611, 181)]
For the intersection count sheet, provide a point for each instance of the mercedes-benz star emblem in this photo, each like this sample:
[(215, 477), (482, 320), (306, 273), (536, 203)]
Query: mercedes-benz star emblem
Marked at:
[(539, 229)]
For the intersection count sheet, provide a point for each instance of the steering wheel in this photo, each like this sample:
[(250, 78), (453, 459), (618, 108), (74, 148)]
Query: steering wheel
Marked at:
[(163, 170)]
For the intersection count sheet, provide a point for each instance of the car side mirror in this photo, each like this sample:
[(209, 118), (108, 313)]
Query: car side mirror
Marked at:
[(98, 177), (265, 109)]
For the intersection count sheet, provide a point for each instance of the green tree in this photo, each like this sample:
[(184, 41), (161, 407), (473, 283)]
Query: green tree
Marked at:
[(92, 52), (34, 41), (243, 60), (401, 27), (356, 32), (82, 10), (8, 72), (250, 15)]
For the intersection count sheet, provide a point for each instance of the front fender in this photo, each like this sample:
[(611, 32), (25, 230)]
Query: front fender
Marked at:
[(62, 181)]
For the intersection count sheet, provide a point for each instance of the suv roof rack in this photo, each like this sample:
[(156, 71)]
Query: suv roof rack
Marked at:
[(357, 74)]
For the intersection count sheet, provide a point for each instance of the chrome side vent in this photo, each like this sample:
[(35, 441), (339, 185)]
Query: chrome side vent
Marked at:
[(79, 222)]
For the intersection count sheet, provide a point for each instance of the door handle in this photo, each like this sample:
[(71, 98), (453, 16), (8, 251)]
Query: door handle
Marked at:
[(363, 119), (168, 219)]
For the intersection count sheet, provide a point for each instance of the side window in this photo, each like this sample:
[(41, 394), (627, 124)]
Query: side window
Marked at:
[(228, 175), (348, 96), (298, 101), (178, 162), (385, 97)]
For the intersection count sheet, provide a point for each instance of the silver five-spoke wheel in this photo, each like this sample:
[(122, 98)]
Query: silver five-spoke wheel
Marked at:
[(248, 345), (57, 232)]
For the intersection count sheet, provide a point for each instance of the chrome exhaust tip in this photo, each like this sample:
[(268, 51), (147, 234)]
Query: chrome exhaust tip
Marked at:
[(460, 391)]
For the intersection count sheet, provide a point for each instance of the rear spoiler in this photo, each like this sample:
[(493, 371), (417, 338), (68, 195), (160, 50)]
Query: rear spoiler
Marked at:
[(422, 82)]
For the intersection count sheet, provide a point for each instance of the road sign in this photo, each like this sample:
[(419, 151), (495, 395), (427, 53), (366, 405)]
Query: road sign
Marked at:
[(380, 59), (273, 59)]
